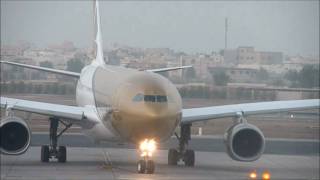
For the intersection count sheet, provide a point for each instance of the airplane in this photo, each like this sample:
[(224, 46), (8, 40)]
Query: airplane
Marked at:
[(120, 104)]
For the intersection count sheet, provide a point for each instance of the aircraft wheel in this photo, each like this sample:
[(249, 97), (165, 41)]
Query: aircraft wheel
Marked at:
[(172, 157), (141, 166), (189, 158), (45, 153), (150, 167), (62, 154)]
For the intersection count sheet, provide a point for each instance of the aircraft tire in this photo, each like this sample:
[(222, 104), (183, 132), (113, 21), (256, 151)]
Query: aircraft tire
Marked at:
[(172, 157), (62, 154), (150, 167), (189, 158), (141, 166), (45, 153)]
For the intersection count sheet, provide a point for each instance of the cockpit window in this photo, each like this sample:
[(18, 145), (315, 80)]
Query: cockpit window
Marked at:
[(138, 98), (149, 98), (161, 98), (170, 99)]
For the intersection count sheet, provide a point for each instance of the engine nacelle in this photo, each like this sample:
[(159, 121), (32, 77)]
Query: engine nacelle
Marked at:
[(244, 142), (15, 136)]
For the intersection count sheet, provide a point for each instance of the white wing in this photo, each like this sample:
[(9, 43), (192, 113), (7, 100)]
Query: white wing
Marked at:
[(207, 113), (168, 69), (70, 113), (57, 71)]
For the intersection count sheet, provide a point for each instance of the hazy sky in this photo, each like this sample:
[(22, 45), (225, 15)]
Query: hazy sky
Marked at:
[(191, 26)]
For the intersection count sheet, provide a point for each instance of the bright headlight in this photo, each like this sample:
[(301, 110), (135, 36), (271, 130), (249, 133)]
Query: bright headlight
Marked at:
[(253, 175), (266, 176), (147, 147)]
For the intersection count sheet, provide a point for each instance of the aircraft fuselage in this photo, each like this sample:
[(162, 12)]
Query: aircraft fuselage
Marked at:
[(130, 104)]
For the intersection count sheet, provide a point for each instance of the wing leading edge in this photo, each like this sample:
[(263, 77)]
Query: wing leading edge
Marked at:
[(71, 113), (168, 69), (56, 71), (207, 113)]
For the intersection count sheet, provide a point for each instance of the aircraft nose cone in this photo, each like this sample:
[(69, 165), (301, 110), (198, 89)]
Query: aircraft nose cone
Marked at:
[(147, 113), (147, 121), (154, 113), (143, 108)]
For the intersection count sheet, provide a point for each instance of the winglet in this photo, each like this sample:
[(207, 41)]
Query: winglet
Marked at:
[(98, 49)]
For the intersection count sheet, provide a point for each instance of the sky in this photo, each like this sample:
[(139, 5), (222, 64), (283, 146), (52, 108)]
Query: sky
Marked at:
[(291, 27)]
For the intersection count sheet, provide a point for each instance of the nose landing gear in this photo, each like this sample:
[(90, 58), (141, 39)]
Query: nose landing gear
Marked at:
[(146, 164)]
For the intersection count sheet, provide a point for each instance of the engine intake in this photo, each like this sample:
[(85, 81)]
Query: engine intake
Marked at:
[(15, 136), (244, 142)]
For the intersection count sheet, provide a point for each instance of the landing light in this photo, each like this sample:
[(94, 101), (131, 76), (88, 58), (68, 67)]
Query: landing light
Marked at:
[(147, 147), (266, 176), (253, 175)]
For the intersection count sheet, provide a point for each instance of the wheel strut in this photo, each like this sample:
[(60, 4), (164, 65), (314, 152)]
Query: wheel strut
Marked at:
[(185, 136), (54, 123), (146, 149), (182, 152), (52, 150)]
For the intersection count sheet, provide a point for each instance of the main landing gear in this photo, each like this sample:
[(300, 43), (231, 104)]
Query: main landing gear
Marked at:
[(182, 152), (52, 151), (146, 164)]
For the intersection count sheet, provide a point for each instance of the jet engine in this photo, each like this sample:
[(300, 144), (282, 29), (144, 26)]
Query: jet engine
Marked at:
[(15, 136), (244, 142)]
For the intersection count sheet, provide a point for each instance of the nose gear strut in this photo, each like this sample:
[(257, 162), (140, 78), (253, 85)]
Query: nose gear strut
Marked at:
[(146, 164)]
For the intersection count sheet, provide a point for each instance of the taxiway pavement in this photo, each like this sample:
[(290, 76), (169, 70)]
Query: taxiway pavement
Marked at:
[(91, 163), (283, 158), (198, 143)]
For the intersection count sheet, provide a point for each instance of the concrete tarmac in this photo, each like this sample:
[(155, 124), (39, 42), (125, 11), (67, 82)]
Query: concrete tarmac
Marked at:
[(91, 163), (283, 158), (198, 143)]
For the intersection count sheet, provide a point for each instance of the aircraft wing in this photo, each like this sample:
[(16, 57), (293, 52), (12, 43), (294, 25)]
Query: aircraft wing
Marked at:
[(235, 110), (168, 69), (68, 113), (56, 71)]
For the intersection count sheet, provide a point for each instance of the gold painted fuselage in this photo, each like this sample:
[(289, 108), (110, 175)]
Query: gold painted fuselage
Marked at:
[(114, 91)]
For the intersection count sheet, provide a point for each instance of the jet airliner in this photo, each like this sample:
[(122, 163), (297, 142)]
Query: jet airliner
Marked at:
[(128, 105)]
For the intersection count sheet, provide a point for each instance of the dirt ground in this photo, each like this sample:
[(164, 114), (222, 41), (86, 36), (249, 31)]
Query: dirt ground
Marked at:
[(300, 125)]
